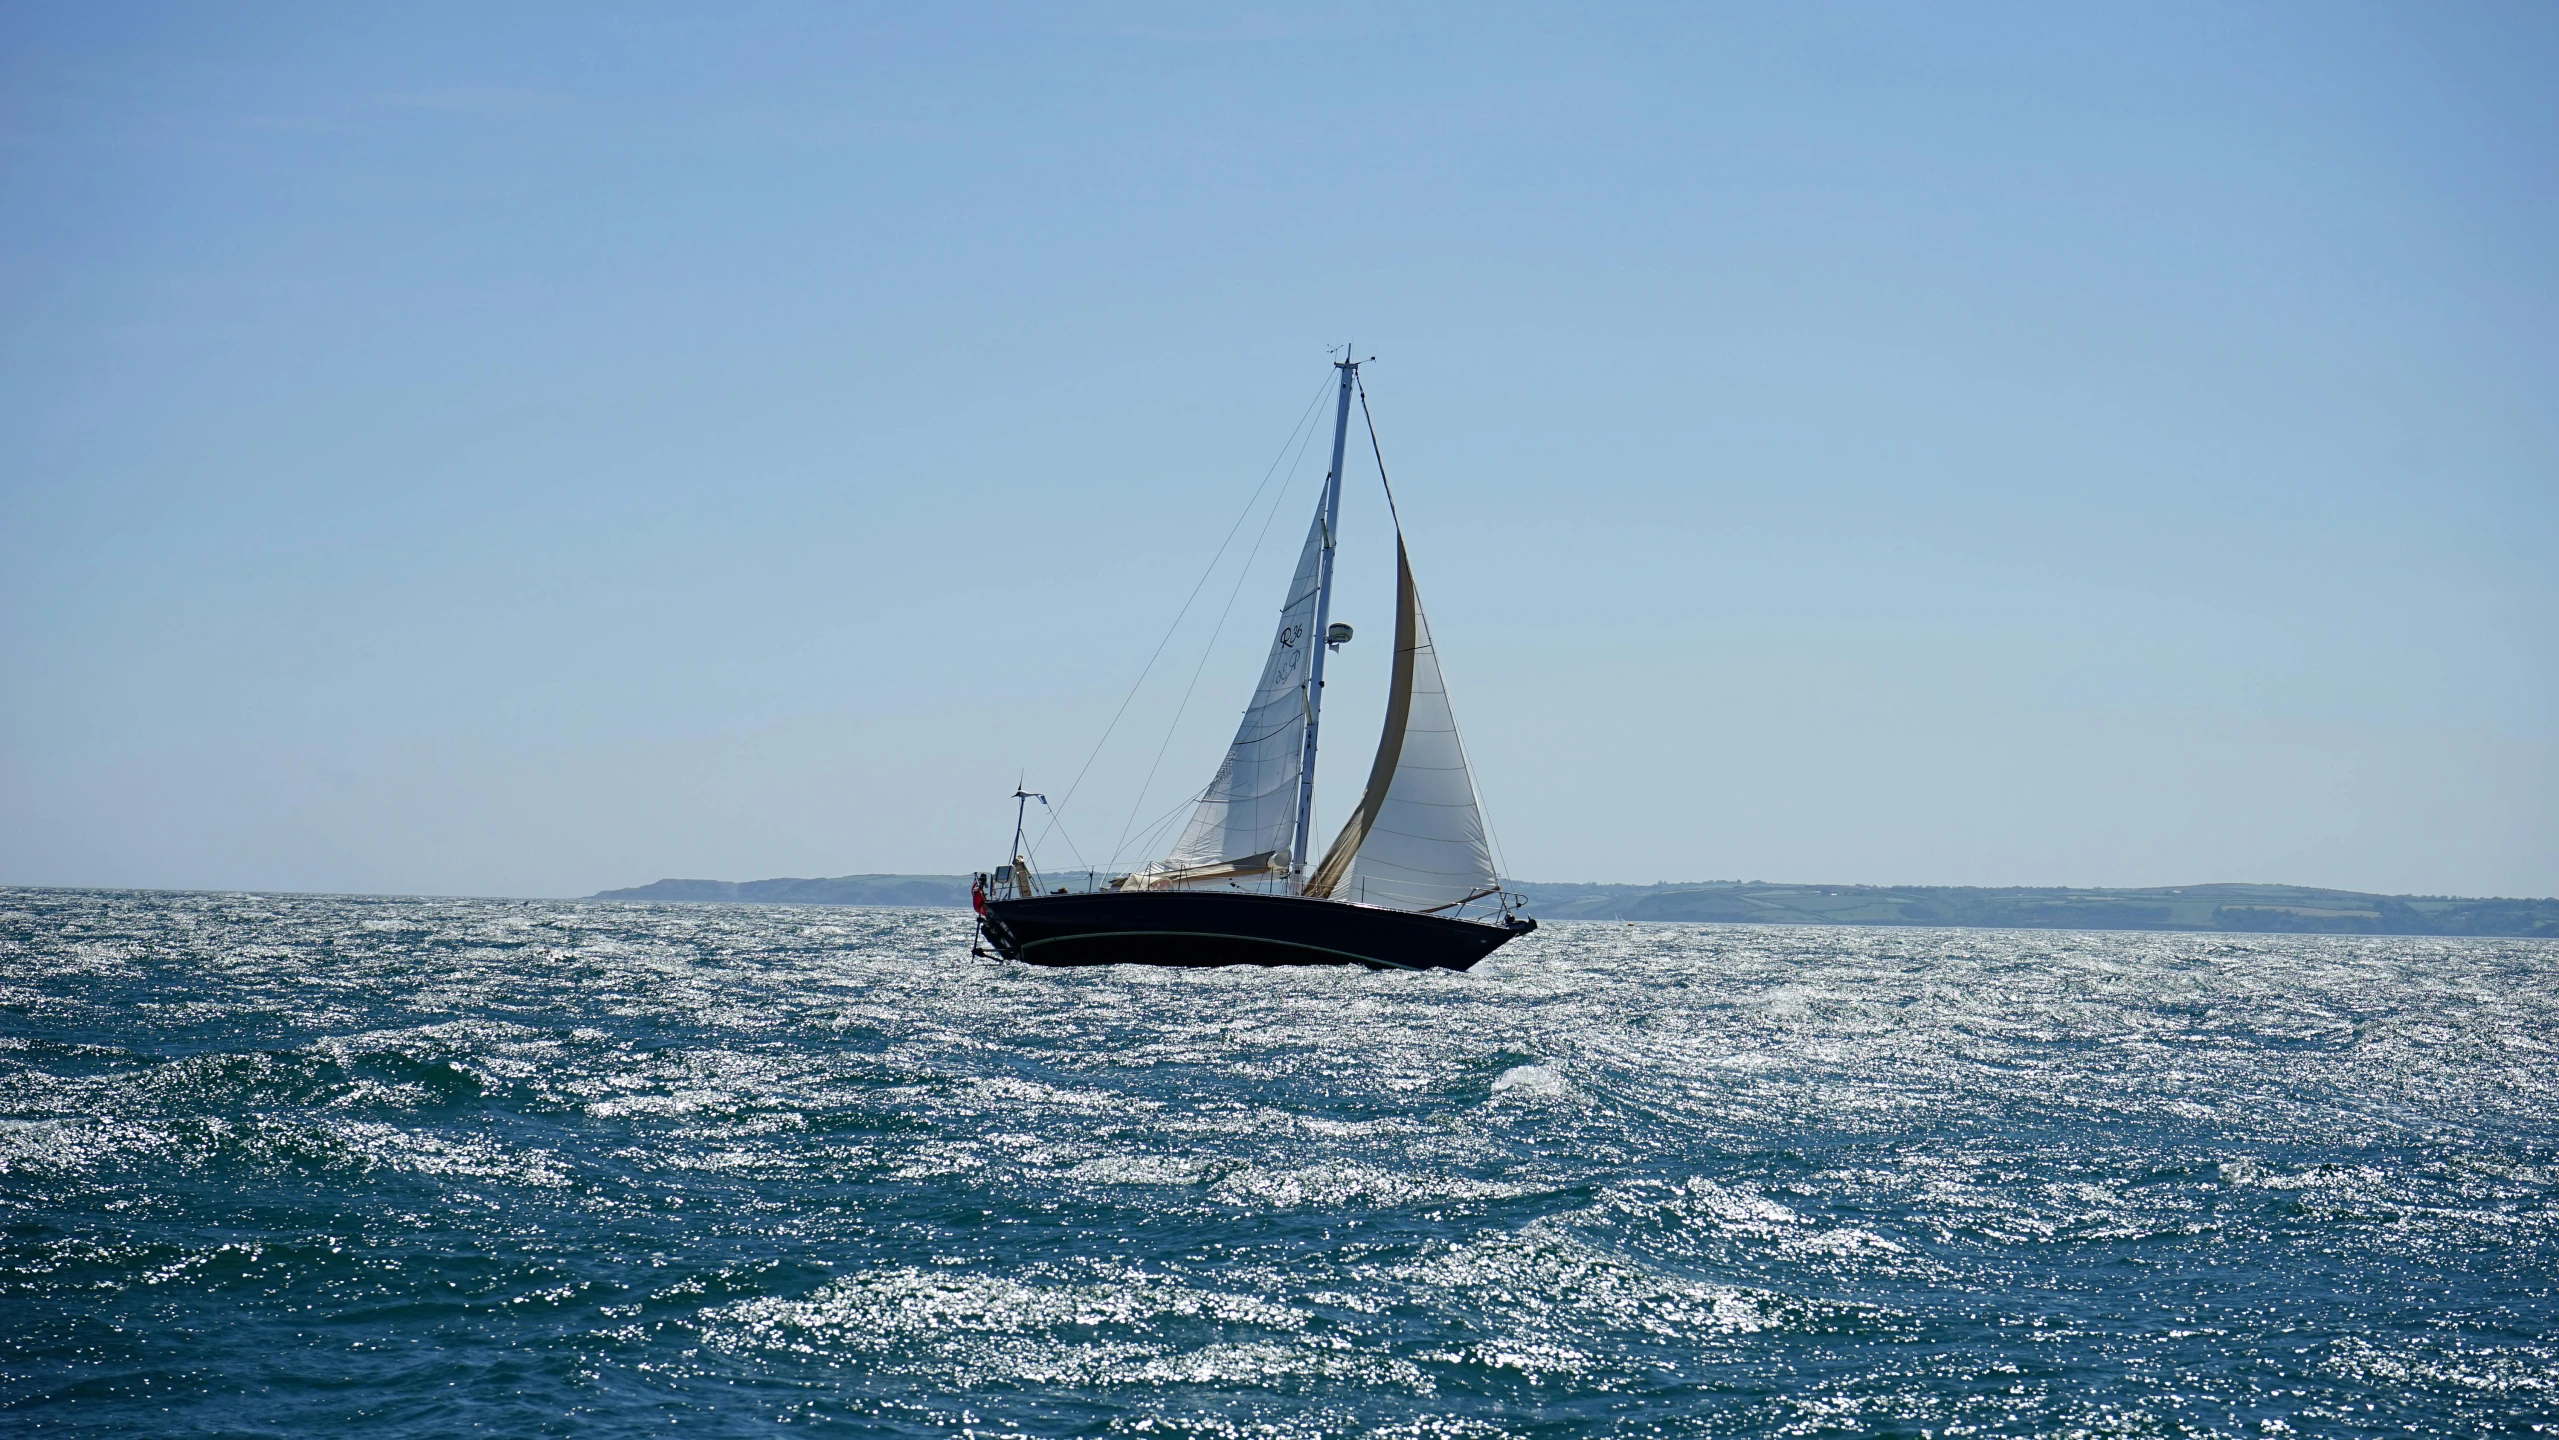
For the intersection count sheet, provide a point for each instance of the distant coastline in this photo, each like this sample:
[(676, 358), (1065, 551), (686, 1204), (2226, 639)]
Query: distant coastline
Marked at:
[(2246, 909)]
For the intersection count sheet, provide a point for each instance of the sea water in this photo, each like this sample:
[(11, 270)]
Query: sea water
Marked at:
[(279, 1165)]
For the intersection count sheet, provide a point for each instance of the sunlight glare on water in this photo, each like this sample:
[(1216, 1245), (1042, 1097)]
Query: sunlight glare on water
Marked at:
[(373, 1167)]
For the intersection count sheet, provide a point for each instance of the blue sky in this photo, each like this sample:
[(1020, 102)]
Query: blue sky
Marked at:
[(524, 450)]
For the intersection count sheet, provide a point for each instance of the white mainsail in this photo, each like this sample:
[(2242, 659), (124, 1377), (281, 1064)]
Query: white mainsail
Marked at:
[(1416, 840), (1245, 817)]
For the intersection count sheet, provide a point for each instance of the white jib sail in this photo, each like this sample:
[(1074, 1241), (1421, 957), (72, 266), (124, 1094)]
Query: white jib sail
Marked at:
[(1247, 812), (1416, 840)]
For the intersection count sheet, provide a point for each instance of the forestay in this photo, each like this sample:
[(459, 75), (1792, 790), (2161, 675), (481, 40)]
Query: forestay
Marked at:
[(1416, 840)]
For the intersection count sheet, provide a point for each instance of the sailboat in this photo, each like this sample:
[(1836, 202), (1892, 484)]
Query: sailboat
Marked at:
[(1408, 883)]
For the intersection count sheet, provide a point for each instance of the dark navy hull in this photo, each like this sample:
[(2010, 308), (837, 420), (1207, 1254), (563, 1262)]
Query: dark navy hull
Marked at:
[(1228, 927)]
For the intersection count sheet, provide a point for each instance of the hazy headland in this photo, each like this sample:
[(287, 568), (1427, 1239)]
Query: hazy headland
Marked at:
[(2259, 909)]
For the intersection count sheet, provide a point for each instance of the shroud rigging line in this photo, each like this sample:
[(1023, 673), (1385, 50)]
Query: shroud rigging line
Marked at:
[(1184, 612), (1209, 651)]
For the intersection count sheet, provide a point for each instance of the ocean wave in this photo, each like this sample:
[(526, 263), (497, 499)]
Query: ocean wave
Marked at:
[(595, 1166)]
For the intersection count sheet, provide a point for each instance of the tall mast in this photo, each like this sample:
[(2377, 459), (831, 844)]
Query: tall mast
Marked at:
[(1323, 620)]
